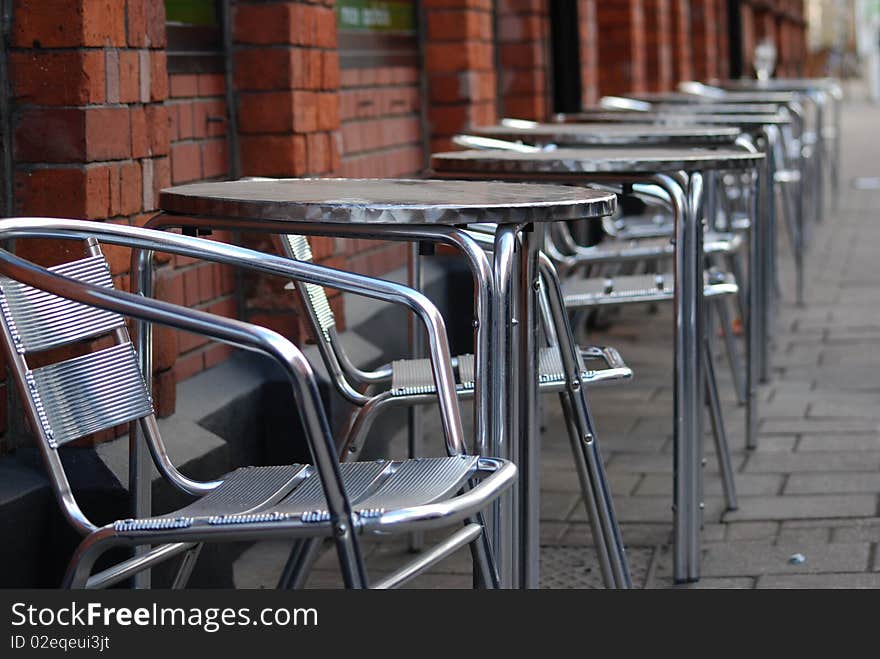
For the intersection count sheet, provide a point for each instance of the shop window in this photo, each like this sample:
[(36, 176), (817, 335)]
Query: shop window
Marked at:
[(195, 36)]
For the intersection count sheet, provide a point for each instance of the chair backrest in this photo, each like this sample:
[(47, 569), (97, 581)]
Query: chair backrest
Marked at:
[(315, 297), (66, 399)]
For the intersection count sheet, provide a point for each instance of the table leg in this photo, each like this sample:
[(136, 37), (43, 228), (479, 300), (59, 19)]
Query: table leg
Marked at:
[(753, 317), (531, 238), (504, 393), (140, 462), (415, 420), (688, 389), (819, 99), (766, 251)]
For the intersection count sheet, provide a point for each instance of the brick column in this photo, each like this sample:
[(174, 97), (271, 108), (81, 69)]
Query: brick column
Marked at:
[(90, 130), (460, 66), (589, 50), (749, 38), (658, 44), (523, 35), (621, 47), (681, 41), (723, 39), (287, 78), (704, 37)]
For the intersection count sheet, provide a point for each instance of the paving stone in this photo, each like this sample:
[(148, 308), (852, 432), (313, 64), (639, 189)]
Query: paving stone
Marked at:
[(867, 530), (850, 442), (788, 425), (833, 483), (812, 462), (737, 531), (812, 581), (756, 558), (746, 484), (801, 507)]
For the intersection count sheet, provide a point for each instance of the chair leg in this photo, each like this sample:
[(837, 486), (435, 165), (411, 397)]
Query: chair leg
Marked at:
[(730, 346), (299, 564), (722, 449), (187, 564), (485, 569), (735, 266), (604, 547), (585, 449), (351, 563)]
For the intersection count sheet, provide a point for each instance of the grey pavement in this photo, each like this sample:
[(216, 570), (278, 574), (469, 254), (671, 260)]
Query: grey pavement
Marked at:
[(809, 513)]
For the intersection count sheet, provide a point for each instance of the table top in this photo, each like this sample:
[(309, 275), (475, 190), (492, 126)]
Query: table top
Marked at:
[(386, 201), (732, 96), (608, 134), (671, 117), (600, 160), (717, 108), (780, 84)]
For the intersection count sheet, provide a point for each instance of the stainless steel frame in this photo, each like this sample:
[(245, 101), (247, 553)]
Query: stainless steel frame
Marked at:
[(340, 521)]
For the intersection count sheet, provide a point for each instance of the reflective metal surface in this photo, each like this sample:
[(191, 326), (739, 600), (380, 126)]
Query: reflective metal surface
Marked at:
[(386, 201), (607, 134), (592, 160)]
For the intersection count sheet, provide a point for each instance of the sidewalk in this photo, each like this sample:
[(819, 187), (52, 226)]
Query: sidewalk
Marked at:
[(811, 488)]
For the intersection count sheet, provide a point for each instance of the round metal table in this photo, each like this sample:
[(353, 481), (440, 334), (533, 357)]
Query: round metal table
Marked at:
[(505, 322), (680, 173), (611, 134), (780, 97), (672, 118)]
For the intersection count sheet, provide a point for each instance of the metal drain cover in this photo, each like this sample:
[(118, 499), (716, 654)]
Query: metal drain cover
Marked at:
[(577, 567)]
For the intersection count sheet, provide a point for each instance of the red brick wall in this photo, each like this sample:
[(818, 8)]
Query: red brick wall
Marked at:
[(704, 38), (682, 55), (90, 128), (622, 54), (460, 67), (381, 122), (523, 50), (589, 47), (723, 47), (658, 45)]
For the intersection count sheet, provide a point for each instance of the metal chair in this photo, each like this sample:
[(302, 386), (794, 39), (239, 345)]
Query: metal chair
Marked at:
[(407, 382), (42, 309), (634, 240)]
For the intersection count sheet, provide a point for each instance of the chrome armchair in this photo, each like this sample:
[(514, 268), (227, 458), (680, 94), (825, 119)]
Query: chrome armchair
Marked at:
[(44, 308), (408, 382)]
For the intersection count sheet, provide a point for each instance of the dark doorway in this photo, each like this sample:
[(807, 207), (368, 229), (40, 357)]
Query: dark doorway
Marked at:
[(565, 55)]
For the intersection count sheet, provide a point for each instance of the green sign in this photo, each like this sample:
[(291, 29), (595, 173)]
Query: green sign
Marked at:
[(191, 12), (376, 16)]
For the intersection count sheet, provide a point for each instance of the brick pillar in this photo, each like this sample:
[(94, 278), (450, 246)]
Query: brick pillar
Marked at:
[(658, 44), (704, 37), (287, 78), (522, 40), (621, 47), (287, 81), (723, 39), (749, 39), (459, 64), (682, 56), (90, 130), (589, 50)]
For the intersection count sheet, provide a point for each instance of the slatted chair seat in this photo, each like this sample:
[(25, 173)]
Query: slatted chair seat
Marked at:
[(413, 376), (253, 495), (602, 291), (714, 242)]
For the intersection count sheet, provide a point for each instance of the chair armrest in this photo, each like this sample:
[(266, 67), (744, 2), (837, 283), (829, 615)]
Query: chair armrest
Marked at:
[(148, 240)]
